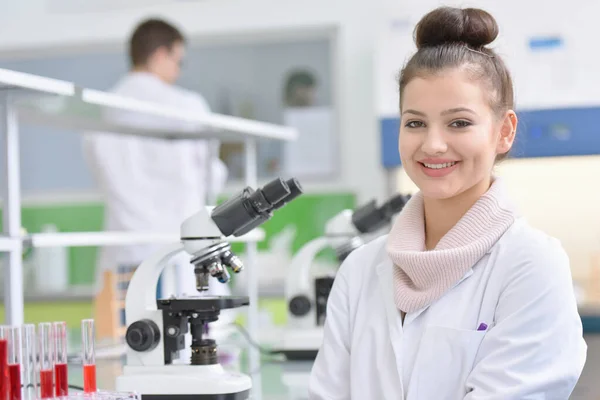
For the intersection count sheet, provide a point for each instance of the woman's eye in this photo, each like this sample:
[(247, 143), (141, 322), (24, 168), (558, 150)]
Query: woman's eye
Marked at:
[(461, 123), (414, 124)]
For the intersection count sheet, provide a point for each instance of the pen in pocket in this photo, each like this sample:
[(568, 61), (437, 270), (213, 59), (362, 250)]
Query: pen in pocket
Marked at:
[(482, 327)]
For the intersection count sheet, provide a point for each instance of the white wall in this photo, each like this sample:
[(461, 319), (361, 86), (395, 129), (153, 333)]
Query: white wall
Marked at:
[(354, 23), (542, 79)]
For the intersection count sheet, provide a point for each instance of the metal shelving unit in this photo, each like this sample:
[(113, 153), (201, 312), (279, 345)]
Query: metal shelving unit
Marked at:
[(49, 102)]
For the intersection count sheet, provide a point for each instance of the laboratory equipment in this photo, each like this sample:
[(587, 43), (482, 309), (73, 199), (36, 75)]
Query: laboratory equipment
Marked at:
[(61, 378), (306, 296), (46, 354), (29, 362), (89, 357), (15, 357), (101, 395), (4, 337), (156, 329)]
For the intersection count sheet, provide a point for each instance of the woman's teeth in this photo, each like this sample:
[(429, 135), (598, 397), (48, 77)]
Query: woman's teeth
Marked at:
[(439, 166)]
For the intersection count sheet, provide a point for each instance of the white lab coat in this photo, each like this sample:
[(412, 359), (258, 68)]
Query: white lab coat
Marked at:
[(522, 288), (152, 185)]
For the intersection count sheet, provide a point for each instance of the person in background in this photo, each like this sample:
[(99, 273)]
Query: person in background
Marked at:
[(152, 185), (463, 299), (300, 89)]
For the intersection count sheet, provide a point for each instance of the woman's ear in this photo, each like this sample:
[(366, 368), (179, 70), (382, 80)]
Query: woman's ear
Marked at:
[(508, 130)]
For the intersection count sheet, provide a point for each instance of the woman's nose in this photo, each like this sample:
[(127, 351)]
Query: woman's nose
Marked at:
[(434, 142)]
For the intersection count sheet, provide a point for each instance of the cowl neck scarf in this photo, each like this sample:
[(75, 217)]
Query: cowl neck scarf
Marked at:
[(423, 276)]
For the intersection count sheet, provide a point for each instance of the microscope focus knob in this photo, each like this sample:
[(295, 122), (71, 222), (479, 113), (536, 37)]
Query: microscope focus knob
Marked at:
[(299, 306), (143, 335)]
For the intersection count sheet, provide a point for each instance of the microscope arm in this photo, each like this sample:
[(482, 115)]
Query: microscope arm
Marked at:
[(141, 292), (298, 278)]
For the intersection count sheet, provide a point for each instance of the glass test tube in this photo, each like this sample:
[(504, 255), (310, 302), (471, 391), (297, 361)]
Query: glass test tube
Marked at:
[(29, 361), (4, 382), (89, 358), (61, 377), (15, 357), (46, 350)]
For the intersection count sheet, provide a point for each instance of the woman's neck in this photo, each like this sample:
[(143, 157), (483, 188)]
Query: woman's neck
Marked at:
[(442, 214)]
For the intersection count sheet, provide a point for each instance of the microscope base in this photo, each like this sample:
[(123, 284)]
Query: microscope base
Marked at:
[(185, 382), (301, 344)]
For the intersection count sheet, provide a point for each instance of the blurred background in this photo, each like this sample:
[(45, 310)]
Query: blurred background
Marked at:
[(243, 56)]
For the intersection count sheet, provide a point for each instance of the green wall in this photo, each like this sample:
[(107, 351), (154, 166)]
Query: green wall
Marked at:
[(308, 214)]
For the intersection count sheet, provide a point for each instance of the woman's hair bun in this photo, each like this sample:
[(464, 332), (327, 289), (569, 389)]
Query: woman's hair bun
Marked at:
[(445, 25)]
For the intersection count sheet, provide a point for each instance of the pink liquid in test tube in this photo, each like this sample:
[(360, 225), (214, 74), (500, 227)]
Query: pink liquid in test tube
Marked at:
[(4, 383), (46, 349), (89, 358), (15, 357), (61, 377)]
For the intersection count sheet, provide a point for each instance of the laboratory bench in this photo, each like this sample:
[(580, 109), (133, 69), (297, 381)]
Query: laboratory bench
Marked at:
[(279, 379), (284, 380)]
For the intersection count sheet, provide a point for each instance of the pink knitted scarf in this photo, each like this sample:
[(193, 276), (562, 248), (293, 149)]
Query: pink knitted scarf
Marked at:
[(422, 277)]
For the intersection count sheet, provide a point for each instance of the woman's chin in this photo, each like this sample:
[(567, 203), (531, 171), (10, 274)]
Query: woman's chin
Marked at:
[(437, 191)]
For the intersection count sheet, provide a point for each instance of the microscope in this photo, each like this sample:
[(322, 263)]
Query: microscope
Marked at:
[(156, 329), (306, 297)]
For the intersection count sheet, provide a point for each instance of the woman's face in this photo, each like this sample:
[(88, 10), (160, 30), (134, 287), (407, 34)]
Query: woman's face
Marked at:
[(449, 135)]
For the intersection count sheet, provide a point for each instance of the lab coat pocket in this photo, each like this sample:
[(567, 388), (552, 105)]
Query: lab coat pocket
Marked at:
[(444, 361)]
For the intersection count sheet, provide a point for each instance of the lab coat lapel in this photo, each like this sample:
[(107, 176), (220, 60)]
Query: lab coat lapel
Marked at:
[(394, 320)]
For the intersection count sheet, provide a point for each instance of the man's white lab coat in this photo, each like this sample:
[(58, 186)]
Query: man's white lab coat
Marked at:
[(152, 185)]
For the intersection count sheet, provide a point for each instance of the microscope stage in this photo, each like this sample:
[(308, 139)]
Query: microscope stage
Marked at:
[(203, 303)]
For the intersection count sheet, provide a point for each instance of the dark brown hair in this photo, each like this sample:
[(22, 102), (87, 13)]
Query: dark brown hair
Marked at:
[(450, 37), (149, 36)]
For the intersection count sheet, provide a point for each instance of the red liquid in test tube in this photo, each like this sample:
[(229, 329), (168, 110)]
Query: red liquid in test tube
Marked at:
[(89, 357), (14, 378), (89, 378), (46, 384), (4, 385), (61, 376), (14, 362), (46, 349), (61, 379)]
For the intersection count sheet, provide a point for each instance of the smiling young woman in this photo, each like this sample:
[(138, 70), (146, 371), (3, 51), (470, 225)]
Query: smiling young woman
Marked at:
[(463, 299)]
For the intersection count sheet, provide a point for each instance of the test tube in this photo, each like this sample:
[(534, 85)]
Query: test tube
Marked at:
[(15, 357), (61, 377), (4, 383), (89, 358), (46, 350), (29, 361)]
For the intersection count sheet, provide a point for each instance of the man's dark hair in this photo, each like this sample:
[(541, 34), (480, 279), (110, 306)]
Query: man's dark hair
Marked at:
[(149, 36), (298, 79)]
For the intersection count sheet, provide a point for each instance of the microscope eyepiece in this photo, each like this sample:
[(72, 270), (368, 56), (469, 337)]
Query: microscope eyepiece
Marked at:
[(369, 218), (395, 204), (295, 191), (251, 208), (275, 191)]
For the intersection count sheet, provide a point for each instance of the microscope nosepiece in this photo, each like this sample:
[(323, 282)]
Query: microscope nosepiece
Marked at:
[(233, 262)]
